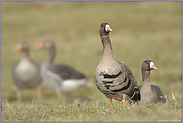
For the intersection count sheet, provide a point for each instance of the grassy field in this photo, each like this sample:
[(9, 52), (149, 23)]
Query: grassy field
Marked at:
[(141, 30)]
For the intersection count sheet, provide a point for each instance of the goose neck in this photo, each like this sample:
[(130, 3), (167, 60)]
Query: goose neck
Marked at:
[(25, 54), (107, 47), (51, 56), (146, 78)]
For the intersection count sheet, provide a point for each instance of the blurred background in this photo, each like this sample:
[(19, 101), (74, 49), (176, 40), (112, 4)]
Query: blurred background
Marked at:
[(141, 30)]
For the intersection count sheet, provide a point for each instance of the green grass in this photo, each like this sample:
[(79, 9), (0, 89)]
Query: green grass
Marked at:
[(141, 30), (94, 111)]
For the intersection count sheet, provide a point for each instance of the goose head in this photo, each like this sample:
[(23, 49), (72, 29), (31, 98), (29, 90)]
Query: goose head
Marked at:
[(148, 65), (22, 46), (48, 44), (104, 29)]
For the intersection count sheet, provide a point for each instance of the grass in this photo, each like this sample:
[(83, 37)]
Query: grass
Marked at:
[(141, 30), (94, 111)]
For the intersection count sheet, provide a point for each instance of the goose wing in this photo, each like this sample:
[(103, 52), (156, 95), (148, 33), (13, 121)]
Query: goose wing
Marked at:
[(65, 72)]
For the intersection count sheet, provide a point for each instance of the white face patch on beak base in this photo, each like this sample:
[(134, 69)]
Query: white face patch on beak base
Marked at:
[(152, 66), (107, 28)]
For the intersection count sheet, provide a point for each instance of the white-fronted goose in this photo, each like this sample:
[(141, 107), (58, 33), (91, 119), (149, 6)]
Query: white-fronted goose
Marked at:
[(113, 78), (60, 77), (149, 93), (26, 72)]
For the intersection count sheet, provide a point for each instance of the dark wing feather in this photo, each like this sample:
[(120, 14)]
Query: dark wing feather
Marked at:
[(156, 89), (65, 72), (130, 74)]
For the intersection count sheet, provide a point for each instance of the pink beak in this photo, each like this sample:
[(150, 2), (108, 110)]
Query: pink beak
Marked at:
[(18, 47), (109, 29), (154, 67)]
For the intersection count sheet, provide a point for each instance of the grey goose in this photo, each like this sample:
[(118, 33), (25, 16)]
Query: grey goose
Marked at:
[(60, 77), (26, 72), (113, 78), (149, 93)]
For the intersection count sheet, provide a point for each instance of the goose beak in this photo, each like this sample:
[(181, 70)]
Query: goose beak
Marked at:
[(39, 46), (154, 67), (109, 29), (18, 47)]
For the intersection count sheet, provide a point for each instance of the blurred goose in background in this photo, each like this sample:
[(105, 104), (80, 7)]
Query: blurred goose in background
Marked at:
[(60, 77), (113, 78), (149, 93), (26, 72)]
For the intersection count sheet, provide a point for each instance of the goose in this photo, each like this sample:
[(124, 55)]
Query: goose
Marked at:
[(113, 78), (60, 77), (149, 93), (26, 72)]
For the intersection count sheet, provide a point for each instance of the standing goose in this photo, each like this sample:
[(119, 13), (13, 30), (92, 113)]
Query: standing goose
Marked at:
[(59, 77), (149, 93), (113, 78), (26, 72)]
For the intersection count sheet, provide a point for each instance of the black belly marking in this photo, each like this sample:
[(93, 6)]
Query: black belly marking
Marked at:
[(122, 82), (106, 83), (108, 92), (111, 76), (124, 88), (107, 86)]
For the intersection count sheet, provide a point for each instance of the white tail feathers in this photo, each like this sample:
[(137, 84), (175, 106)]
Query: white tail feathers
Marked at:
[(89, 84)]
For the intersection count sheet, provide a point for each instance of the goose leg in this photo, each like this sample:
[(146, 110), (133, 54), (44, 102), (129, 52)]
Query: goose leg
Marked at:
[(123, 101), (110, 100), (58, 94), (18, 95), (68, 95), (39, 93), (124, 97)]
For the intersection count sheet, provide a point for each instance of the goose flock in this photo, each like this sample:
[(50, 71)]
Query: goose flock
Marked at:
[(112, 78)]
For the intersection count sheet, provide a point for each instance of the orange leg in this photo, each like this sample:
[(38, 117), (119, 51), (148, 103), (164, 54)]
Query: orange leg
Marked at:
[(110, 100), (58, 94), (19, 95), (123, 101), (38, 93)]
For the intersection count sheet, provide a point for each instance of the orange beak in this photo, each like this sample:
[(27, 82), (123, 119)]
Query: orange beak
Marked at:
[(39, 46), (18, 47)]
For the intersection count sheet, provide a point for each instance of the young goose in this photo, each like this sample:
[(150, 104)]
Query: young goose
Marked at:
[(59, 77), (26, 72), (149, 93), (113, 78)]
